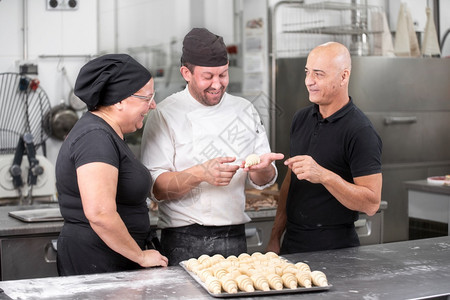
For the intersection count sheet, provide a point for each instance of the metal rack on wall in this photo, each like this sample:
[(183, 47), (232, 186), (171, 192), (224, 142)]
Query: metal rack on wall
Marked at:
[(406, 111), (298, 27)]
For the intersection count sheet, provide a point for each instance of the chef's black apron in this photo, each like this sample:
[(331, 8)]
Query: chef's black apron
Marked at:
[(315, 238), (85, 253), (182, 243)]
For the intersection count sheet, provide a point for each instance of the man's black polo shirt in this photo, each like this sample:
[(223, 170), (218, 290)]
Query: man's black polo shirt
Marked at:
[(345, 143)]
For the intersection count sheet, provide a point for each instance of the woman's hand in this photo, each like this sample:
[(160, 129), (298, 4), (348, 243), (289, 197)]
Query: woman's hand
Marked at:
[(152, 258)]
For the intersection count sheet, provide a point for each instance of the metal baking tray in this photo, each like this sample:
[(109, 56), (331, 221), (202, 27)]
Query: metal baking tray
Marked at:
[(37, 215), (256, 292)]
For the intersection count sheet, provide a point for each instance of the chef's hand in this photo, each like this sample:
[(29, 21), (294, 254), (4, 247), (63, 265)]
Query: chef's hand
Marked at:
[(264, 172), (265, 162), (218, 171), (305, 167), (152, 258)]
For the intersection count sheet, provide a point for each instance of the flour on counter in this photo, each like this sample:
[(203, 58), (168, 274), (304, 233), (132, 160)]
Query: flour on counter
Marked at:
[(123, 285)]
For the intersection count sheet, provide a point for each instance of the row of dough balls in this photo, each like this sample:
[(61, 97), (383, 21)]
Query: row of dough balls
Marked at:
[(253, 272)]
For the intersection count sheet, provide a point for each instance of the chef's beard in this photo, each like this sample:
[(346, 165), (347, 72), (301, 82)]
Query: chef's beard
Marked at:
[(207, 99)]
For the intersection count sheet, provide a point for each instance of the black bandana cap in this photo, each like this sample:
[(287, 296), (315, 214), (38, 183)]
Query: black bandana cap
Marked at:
[(109, 79), (203, 48)]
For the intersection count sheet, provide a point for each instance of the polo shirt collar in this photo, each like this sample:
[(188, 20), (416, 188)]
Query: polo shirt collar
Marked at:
[(337, 115)]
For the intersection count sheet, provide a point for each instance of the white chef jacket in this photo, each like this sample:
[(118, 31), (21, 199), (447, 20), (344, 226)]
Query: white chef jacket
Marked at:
[(181, 133)]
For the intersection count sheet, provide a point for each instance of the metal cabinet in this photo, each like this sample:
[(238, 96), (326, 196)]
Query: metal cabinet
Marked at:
[(27, 257), (370, 229), (258, 234)]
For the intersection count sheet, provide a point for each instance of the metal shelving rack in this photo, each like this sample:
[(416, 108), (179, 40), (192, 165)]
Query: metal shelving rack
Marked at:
[(297, 27)]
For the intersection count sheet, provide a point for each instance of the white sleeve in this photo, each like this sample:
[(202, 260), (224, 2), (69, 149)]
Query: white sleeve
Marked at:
[(262, 146), (157, 150)]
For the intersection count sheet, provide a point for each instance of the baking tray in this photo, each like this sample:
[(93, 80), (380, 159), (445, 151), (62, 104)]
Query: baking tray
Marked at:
[(256, 292), (37, 215)]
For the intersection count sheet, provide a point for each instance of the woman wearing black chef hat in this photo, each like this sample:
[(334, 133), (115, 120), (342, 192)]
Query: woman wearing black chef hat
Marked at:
[(102, 187)]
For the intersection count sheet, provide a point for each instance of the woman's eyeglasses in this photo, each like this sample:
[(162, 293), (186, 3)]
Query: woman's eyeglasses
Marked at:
[(146, 98)]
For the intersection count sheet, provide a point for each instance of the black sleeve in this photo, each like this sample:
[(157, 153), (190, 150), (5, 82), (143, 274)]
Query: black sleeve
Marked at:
[(95, 146), (365, 152)]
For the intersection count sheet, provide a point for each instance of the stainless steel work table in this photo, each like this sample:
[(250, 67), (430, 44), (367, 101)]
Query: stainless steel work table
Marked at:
[(13, 227), (429, 202), (401, 270)]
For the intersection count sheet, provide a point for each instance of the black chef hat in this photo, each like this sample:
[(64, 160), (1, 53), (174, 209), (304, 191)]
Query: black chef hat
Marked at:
[(109, 79), (203, 48)]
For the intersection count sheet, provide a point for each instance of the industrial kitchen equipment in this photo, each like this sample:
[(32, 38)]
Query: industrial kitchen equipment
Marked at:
[(406, 99), (24, 105)]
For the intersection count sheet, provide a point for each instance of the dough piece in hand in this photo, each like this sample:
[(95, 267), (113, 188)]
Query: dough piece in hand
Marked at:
[(260, 282), (289, 280), (251, 160), (245, 283), (275, 281), (319, 278), (301, 266), (213, 285), (304, 278), (228, 284)]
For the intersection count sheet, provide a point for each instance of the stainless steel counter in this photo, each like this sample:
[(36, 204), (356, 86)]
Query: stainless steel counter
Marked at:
[(402, 270), (12, 227), (424, 186), (428, 208), (27, 249)]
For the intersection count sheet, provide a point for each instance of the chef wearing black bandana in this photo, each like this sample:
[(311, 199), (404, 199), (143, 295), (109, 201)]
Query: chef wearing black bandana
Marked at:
[(102, 187)]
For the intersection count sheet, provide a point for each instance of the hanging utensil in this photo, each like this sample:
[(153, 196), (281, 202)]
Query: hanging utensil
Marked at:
[(74, 101), (59, 121), (61, 118)]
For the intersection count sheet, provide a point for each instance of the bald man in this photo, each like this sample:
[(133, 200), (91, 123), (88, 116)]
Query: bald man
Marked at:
[(334, 165)]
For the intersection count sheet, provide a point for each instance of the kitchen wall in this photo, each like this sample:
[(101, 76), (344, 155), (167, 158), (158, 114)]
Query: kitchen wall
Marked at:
[(55, 41), (61, 41)]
